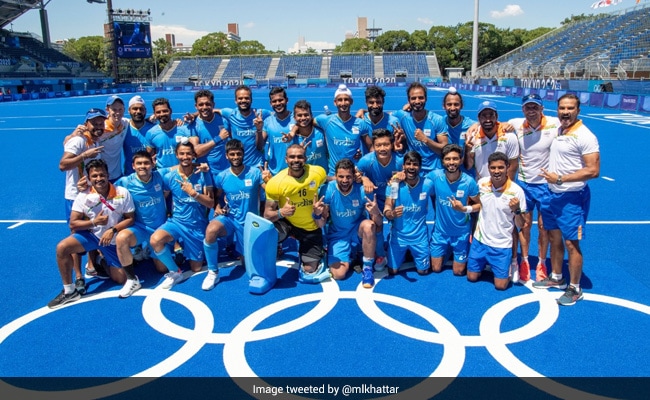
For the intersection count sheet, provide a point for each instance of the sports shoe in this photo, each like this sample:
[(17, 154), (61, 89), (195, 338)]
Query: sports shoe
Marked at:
[(570, 296), (380, 263), (524, 271), (98, 272), (80, 286), (130, 287), (210, 281), (138, 253), (550, 283), (368, 280), (514, 271), (62, 299), (172, 278), (540, 272), (179, 258)]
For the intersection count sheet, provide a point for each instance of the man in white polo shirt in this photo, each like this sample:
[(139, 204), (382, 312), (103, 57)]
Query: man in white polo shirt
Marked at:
[(535, 133), (574, 159), (502, 204)]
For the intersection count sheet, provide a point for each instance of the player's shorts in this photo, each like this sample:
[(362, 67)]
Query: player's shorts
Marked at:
[(568, 212), (142, 235), (481, 254), (342, 249), (192, 238), (419, 250), (234, 231), (536, 195), (440, 243), (91, 242), (310, 243)]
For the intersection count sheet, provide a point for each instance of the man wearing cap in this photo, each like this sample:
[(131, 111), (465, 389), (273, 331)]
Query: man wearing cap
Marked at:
[(573, 160), (163, 138), (134, 139), (425, 131), (489, 138), (535, 133), (113, 137), (345, 134)]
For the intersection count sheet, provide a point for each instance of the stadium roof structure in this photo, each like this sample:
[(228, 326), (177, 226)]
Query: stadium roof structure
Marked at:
[(12, 9)]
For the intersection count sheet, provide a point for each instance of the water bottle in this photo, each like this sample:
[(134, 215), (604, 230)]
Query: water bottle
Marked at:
[(394, 189), (327, 110)]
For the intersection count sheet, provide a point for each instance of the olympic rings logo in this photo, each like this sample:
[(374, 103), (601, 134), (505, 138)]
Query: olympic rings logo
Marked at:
[(234, 357)]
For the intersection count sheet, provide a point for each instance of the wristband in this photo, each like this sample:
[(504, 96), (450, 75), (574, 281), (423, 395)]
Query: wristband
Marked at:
[(195, 195), (279, 213), (317, 217), (92, 221), (469, 209)]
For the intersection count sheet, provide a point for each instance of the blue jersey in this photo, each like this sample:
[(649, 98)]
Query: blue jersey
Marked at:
[(206, 132), (386, 122), (134, 141), (432, 125), (380, 174), (244, 129), (458, 133), (450, 222), (276, 149), (165, 144), (148, 198), (186, 210), (412, 225), (316, 150), (346, 210), (242, 191), (343, 138)]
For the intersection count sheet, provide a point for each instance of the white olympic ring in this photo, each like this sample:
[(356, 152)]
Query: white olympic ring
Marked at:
[(234, 357)]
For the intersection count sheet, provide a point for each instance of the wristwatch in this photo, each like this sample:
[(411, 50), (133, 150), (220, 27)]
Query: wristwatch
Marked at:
[(559, 180), (114, 229)]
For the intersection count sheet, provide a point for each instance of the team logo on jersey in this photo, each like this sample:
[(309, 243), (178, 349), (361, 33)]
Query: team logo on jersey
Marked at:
[(312, 184), (355, 130), (423, 196), (197, 187), (319, 143), (248, 182), (427, 132), (355, 203), (157, 187), (460, 193)]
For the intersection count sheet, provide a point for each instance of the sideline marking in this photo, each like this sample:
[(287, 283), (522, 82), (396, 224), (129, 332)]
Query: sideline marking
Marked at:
[(18, 222), (607, 178)]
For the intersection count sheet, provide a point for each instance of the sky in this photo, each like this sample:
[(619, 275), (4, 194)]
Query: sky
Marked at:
[(279, 24)]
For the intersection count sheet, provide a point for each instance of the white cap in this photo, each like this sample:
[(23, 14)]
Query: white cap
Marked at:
[(136, 100), (342, 90)]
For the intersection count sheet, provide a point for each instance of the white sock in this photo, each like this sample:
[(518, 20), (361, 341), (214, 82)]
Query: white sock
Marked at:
[(542, 261), (555, 276), (67, 289), (577, 286)]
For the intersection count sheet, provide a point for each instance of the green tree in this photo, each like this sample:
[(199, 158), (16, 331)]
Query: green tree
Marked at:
[(252, 47), (88, 49), (214, 44), (354, 45), (393, 41), (420, 41)]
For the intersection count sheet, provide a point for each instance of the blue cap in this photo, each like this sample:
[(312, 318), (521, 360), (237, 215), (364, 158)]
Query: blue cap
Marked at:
[(94, 113), (532, 98), (113, 99), (487, 105)]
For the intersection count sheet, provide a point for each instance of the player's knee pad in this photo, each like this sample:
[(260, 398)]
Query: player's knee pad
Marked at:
[(321, 274)]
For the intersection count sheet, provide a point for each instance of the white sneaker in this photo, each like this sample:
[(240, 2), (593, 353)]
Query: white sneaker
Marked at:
[(171, 278), (514, 271), (210, 281), (130, 287)]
